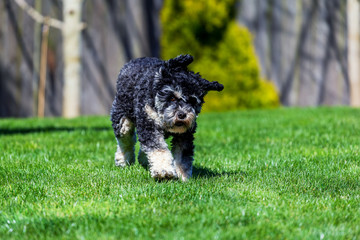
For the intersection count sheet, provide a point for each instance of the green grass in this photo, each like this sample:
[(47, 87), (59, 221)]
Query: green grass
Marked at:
[(284, 174)]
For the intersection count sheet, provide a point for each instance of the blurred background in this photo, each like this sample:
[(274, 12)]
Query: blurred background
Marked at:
[(62, 57)]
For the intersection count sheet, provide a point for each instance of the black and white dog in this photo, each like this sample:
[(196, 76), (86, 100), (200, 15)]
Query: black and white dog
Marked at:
[(159, 99)]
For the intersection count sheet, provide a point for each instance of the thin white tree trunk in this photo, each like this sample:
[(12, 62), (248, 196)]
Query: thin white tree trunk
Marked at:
[(353, 16), (72, 67)]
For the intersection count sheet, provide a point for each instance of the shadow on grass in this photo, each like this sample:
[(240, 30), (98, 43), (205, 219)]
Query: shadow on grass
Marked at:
[(200, 172), (11, 131)]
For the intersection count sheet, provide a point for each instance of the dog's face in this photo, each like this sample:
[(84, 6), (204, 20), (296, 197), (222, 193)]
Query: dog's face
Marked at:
[(178, 108), (180, 94)]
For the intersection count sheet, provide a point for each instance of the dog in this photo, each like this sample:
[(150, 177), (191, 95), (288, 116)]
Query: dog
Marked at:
[(159, 99)]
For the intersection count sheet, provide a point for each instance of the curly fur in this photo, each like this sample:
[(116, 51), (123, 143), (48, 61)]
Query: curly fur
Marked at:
[(159, 99)]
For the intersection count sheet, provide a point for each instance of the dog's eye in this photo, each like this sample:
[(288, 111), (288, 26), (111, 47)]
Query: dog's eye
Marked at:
[(192, 101), (173, 99)]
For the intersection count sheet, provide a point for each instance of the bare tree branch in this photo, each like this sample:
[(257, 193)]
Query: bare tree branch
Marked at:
[(42, 19)]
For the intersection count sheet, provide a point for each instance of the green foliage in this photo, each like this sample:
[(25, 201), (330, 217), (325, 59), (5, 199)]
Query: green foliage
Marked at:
[(222, 49), (291, 173)]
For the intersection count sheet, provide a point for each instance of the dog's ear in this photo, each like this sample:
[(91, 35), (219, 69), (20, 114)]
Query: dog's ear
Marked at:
[(212, 86), (180, 61), (215, 86)]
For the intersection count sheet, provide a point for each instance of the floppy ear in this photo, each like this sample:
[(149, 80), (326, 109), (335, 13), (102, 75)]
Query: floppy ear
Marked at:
[(180, 61), (215, 86), (212, 86)]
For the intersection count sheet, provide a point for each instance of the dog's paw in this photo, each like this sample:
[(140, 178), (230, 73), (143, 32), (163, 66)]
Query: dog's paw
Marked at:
[(120, 163), (183, 170), (183, 176), (123, 160), (119, 159), (161, 164), (163, 174)]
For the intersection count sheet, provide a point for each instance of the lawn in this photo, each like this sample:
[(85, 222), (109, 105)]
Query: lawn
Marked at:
[(265, 174)]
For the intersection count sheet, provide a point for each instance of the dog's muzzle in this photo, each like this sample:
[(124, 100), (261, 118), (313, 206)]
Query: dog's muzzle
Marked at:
[(180, 119), (179, 123), (182, 122), (181, 115)]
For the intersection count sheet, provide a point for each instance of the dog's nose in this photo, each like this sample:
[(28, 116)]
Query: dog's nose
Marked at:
[(181, 115)]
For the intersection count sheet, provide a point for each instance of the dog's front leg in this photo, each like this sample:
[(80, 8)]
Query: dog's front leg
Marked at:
[(183, 152), (160, 159)]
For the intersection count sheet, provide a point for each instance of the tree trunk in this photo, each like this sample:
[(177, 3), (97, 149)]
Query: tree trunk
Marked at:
[(36, 58), (353, 10), (71, 41), (43, 68)]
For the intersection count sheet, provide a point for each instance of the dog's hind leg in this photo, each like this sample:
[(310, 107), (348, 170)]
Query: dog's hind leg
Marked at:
[(126, 139)]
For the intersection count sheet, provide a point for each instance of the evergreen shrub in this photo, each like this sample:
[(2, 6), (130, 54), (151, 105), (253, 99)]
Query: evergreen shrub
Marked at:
[(222, 49)]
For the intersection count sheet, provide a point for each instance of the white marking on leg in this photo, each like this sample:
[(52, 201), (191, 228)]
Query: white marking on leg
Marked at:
[(126, 126), (126, 141), (161, 164)]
